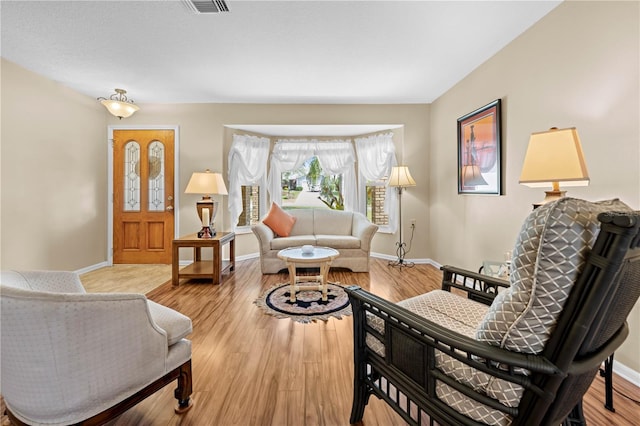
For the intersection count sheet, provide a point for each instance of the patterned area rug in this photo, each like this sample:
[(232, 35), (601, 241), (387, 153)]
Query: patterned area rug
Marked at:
[(308, 305)]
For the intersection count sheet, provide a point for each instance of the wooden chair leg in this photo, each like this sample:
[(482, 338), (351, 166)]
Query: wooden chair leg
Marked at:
[(184, 389)]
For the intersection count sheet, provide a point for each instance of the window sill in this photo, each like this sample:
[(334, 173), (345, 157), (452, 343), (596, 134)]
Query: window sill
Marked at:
[(240, 230)]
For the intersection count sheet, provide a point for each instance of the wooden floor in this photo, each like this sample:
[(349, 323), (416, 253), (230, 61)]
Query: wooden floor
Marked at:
[(253, 369)]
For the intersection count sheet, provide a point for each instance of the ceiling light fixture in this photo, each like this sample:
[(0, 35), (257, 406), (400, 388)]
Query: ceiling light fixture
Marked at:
[(119, 105)]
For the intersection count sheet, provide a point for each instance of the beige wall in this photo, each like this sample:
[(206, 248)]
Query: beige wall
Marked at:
[(53, 194), (204, 143), (578, 66)]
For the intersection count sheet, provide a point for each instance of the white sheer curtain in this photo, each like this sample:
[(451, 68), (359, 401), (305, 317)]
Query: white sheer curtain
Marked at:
[(376, 157), (335, 157), (247, 166), (287, 155)]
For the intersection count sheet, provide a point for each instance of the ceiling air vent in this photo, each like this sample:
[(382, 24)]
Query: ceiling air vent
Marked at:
[(207, 6)]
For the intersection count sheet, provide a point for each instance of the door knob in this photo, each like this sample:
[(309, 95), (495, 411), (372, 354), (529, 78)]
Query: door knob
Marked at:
[(169, 208)]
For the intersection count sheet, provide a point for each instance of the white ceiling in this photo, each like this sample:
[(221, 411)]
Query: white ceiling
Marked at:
[(262, 51)]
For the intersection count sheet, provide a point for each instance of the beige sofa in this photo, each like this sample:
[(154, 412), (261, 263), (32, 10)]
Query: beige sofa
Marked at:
[(348, 232)]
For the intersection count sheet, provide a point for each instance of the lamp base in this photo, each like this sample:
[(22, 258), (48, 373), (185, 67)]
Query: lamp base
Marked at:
[(207, 203), (551, 196), (400, 262), (206, 233)]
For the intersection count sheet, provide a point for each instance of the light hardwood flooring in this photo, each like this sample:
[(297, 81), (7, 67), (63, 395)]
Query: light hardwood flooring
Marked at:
[(253, 369)]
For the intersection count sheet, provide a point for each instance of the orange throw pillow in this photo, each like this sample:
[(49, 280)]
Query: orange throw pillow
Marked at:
[(279, 221)]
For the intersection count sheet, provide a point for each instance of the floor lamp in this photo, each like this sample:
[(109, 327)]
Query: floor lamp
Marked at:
[(400, 178)]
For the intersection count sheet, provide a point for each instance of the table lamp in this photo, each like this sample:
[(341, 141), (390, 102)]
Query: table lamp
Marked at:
[(552, 157), (206, 183), (400, 178)]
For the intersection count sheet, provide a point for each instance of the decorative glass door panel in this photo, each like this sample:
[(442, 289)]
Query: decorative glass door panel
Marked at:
[(132, 176), (156, 177)]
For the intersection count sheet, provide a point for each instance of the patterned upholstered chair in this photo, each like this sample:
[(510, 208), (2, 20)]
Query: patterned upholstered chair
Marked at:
[(518, 352), (71, 357)]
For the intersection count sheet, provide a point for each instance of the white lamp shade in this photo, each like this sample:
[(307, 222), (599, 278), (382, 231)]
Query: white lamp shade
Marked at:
[(554, 156), (206, 183), (400, 176)]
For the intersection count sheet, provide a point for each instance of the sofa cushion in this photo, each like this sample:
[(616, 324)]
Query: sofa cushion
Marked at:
[(176, 325), (292, 241), (334, 222), (338, 241), (304, 222), (279, 221), (549, 254)]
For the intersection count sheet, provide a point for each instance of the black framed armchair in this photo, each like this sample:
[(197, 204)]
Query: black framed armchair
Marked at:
[(482, 350)]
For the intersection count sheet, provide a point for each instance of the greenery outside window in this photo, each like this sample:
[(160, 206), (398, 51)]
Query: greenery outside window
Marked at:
[(309, 187)]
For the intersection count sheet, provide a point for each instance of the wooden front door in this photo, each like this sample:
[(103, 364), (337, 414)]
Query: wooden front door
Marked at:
[(143, 196)]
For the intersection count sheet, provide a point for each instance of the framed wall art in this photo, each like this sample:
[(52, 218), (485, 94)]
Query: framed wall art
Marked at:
[(479, 142)]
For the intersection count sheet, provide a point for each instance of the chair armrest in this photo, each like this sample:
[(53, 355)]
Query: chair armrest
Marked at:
[(265, 235), (479, 287), (364, 230)]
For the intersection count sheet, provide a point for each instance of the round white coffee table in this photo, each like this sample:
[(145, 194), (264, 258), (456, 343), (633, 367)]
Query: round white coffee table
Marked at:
[(322, 256)]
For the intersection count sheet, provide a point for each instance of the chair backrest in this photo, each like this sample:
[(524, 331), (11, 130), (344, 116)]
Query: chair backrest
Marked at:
[(51, 281), (593, 322)]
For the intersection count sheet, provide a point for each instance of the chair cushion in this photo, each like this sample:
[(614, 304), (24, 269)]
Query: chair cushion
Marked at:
[(549, 254), (292, 241), (176, 325), (279, 221)]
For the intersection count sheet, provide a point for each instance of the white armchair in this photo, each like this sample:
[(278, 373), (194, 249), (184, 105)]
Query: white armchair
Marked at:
[(69, 356)]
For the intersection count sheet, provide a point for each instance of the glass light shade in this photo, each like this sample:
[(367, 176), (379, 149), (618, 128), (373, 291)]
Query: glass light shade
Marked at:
[(119, 108), (400, 176), (554, 156)]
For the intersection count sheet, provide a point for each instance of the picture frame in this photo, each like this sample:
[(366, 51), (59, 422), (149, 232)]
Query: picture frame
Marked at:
[(479, 150)]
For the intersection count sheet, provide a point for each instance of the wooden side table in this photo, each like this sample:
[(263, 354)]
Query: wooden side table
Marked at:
[(203, 268)]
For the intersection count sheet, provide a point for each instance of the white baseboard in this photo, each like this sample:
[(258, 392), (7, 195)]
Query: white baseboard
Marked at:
[(392, 258), (91, 268), (626, 373)]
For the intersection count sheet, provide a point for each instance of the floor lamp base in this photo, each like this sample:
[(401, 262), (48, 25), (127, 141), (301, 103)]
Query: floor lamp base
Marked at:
[(400, 262)]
